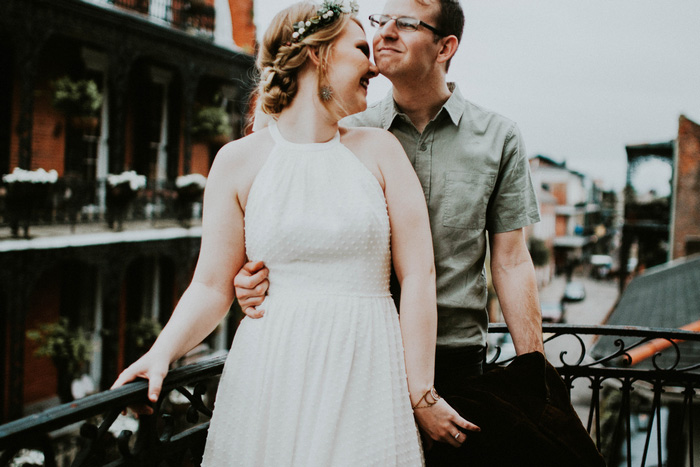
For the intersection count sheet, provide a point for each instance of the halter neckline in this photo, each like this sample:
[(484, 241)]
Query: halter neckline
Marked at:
[(279, 139)]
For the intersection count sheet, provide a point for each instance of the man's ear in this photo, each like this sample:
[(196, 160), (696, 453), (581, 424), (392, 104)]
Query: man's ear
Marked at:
[(448, 48), (313, 56)]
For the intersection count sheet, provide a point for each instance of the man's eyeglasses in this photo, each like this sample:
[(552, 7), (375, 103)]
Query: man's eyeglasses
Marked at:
[(404, 23)]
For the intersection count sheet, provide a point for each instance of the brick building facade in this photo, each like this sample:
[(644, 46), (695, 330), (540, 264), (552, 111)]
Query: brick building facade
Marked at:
[(156, 64), (686, 215)]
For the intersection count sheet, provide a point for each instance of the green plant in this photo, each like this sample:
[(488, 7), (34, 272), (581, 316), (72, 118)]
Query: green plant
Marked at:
[(211, 121), (77, 98), (144, 332), (68, 347)]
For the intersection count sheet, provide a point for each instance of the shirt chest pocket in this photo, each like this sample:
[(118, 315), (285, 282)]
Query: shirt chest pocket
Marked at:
[(466, 199)]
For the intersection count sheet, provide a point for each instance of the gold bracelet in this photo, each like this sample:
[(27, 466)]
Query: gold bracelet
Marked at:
[(433, 394)]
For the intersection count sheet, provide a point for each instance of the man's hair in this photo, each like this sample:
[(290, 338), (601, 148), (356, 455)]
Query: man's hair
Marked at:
[(449, 21)]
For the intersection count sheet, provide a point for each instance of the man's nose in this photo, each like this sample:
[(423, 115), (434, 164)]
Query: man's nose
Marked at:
[(389, 30)]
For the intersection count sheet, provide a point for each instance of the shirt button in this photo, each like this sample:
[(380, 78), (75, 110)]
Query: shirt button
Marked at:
[(423, 147)]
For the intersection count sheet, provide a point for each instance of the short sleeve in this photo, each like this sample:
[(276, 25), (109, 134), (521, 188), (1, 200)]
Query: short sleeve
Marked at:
[(513, 202)]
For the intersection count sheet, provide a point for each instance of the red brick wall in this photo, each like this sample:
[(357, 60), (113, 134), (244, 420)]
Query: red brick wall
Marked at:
[(687, 215), (200, 158), (40, 373), (49, 133), (242, 24)]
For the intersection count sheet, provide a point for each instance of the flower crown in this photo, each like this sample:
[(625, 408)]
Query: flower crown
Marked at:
[(329, 12)]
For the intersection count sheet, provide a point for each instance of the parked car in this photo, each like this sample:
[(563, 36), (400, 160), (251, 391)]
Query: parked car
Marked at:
[(574, 292), (601, 265), (553, 312)]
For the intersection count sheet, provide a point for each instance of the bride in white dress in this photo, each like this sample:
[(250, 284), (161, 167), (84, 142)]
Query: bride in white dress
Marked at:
[(323, 379)]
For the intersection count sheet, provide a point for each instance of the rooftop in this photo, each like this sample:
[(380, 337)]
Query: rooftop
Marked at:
[(666, 296)]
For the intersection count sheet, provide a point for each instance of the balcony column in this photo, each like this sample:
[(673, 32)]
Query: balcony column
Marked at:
[(121, 61), (190, 80), (16, 312), (27, 62), (163, 78), (112, 276), (99, 62), (19, 276)]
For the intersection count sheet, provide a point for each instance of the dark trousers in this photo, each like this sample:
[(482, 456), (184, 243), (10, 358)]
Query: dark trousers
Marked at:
[(453, 367)]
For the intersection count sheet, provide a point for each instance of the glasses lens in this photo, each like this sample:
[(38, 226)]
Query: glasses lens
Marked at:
[(378, 21), (407, 24)]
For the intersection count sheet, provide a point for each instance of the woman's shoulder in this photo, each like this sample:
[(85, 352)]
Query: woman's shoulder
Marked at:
[(373, 140), (378, 134), (240, 160), (247, 149)]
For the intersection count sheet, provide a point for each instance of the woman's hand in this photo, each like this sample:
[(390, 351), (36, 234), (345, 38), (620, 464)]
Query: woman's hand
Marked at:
[(251, 286), (440, 422), (150, 367)]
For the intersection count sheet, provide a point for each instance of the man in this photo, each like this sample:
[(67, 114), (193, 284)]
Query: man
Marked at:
[(475, 177)]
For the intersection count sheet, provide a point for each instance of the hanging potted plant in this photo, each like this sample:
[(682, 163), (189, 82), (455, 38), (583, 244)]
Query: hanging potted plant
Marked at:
[(68, 347), (27, 190), (212, 124), (121, 190), (79, 100), (189, 190)]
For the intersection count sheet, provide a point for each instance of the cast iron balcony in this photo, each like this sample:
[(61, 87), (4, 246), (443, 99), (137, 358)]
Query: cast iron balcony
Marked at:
[(636, 415), (194, 16)]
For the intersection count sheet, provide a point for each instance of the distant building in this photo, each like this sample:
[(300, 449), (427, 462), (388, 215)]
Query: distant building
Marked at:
[(576, 204), (156, 65), (685, 219), (659, 229)]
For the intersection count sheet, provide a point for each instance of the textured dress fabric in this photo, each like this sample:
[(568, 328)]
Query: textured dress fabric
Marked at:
[(320, 380)]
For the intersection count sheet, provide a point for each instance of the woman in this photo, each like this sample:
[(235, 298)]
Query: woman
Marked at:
[(321, 379)]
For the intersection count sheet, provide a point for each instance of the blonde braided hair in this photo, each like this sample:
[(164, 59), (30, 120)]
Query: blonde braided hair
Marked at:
[(280, 58)]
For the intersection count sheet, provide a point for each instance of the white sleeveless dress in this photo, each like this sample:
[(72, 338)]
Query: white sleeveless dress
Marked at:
[(320, 380)]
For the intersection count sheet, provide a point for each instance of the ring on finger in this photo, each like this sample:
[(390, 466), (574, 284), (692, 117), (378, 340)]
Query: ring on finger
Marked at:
[(457, 435)]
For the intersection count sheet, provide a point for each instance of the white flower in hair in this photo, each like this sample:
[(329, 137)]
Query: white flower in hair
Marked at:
[(329, 11)]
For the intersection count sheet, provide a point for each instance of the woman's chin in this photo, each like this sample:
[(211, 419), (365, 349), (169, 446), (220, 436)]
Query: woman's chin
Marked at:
[(360, 107)]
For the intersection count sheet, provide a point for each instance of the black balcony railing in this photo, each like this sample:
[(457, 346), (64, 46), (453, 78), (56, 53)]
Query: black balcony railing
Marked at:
[(636, 416), (75, 202), (190, 15)]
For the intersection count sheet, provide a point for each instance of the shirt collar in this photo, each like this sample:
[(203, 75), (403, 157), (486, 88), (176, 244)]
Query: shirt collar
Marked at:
[(454, 107)]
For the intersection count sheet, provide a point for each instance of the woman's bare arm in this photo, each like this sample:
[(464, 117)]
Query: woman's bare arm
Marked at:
[(210, 294), (412, 253)]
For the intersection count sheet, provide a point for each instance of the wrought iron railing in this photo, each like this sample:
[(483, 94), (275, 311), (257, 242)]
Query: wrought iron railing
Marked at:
[(74, 202), (172, 436), (196, 16), (633, 410), (636, 416)]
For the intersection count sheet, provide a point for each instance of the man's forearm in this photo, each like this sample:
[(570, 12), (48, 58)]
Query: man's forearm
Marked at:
[(516, 288)]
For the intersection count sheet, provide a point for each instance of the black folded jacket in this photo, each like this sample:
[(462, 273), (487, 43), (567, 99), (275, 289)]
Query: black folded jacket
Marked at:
[(526, 418)]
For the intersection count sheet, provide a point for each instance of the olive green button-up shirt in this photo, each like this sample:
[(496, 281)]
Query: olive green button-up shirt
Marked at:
[(476, 179)]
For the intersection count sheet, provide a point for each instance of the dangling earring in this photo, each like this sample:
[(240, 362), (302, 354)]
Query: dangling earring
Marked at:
[(325, 93)]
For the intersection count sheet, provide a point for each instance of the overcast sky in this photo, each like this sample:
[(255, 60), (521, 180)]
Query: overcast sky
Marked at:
[(582, 78)]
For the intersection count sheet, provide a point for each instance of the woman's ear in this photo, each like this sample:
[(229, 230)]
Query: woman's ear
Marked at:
[(313, 56)]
